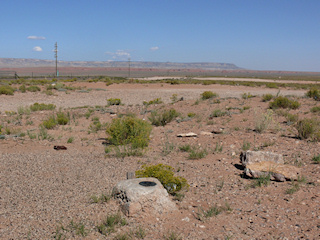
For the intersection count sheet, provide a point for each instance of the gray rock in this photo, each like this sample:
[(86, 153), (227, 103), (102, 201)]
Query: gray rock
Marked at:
[(143, 195), (250, 157)]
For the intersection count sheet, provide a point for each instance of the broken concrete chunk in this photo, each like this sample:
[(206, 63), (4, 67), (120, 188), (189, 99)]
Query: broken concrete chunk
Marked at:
[(143, 195), (60, 148), (190, 134), (217, 130), (250, 157), (277, 171)]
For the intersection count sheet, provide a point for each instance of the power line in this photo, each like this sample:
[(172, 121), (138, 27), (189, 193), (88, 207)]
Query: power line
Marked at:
[(129, 59), (56, 56)]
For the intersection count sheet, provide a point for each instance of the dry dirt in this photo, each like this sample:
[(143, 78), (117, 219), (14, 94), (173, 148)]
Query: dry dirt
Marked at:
[(43, 191)]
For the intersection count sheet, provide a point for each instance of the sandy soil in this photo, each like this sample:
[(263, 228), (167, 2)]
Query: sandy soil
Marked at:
[(131, 94), (238, 79), (44, 191)]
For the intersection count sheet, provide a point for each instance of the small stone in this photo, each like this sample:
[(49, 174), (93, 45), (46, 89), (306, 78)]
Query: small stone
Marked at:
[(217, 131), (190, 134), (205, 133), (186, 219)]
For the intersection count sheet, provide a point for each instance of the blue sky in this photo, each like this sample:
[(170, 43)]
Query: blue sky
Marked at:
[(253, 34)]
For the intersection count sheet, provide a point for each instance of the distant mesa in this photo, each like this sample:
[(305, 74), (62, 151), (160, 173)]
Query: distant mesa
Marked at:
[(29, 63)]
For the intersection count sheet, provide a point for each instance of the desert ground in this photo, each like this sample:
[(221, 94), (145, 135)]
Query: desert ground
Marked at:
[(48, 194)]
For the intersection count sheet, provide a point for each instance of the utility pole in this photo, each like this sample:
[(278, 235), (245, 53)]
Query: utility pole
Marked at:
[(56, 56), (129, 66)]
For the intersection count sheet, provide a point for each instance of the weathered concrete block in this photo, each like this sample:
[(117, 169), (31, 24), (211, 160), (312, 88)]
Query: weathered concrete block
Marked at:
[(143, 195), (278, 172)]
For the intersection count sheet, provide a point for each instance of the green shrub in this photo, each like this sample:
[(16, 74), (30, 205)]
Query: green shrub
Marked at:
[(308, 128), (295, 187), (168, 147), (314, 93), (197, 153), (246, 146), (208, 94), (284, 102), (315, 109), (129, 130), (140, 233), (247, 96), (316, 159), (73, 227), (212, 211), (95, 126), (109, 224), (294, 105), (23, 110), (100, 199), (194, 151), (62, 118), (154, 101), (6, 90), (263, 180), (267, 97), (58, 86), (185, 148), (48, 92), (163, 118), (23, 88), (165, 174), (217, 113), (264, 121), (272, 85), (291, 118), (50, 123), (191, 114), (174, 98), (40, 107), (33, 89), (219, 147), (114, 101), (172, 236)]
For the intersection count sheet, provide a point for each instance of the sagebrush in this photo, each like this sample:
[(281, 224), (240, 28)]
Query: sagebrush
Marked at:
[(165, 174)]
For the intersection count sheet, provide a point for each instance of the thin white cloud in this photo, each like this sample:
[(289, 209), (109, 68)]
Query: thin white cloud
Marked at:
[(119, 55), (36, 37), (154, 48), (37, 49)]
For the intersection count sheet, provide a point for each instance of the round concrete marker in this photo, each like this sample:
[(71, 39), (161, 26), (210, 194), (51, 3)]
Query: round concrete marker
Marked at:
[(143, 195)]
